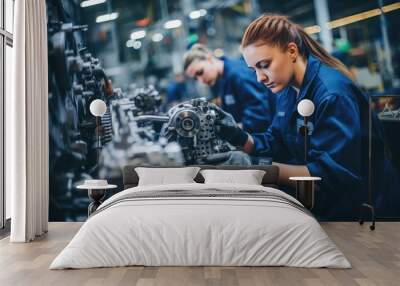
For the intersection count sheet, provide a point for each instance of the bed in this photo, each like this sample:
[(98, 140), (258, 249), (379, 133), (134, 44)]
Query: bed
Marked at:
[(197, 224)]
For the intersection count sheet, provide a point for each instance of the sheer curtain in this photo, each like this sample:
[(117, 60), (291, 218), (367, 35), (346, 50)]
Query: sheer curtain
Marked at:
[(27, 127)]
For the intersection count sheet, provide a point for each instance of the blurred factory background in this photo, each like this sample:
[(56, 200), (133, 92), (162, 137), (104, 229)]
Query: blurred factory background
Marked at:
[(130, 53), (143, 41)]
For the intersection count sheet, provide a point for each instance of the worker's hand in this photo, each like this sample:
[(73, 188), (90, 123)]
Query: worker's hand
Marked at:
[(228, 129)]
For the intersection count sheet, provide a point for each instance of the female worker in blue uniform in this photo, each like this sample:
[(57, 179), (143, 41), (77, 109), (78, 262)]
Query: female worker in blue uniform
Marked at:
[(290, 62), (249, 102)]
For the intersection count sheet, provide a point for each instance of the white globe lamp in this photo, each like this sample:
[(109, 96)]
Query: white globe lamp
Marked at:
[(305, 108), (98, 107)]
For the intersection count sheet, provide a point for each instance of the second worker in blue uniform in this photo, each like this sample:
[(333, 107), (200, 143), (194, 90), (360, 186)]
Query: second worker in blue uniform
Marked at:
[(250, 103)]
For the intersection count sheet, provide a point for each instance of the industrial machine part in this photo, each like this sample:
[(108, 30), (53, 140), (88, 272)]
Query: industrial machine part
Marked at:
[(76, 78), (147, 101), (193, 125), (134, 142)]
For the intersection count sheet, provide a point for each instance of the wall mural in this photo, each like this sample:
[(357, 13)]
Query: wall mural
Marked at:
[(133, 130), (138, 127)]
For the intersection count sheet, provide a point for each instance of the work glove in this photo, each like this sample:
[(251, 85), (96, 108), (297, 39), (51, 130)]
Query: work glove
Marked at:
[(227, 128)]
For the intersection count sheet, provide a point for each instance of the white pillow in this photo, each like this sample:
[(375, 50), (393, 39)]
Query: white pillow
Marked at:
[(248, 177), (164, 176)]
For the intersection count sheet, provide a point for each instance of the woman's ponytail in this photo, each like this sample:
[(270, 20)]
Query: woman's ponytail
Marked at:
[(319, 52)]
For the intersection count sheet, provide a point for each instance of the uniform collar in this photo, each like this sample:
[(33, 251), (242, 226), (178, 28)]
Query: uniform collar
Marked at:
[(313, 65), (312, 69), (227, 67), (222, 78)]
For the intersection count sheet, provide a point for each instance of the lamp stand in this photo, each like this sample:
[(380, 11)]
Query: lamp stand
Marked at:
[(369, 206), (305, 193), (304, 132), (305, 138), (97, 196), (98, 140)]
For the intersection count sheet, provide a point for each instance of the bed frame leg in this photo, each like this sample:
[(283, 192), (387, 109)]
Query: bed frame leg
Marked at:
[(372, 211)]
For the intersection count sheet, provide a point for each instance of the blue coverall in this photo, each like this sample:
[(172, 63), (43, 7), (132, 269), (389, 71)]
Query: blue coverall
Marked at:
[(338, 141), (176, 91)]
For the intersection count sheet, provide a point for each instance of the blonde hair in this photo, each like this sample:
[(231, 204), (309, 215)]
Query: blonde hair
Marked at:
[(196, 52), (278, 30)]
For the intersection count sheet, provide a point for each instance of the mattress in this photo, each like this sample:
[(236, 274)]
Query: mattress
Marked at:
[(201, 225)]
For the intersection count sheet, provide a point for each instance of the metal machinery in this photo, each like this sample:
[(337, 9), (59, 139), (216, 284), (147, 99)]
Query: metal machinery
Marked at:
[(76, 78), (133, 130), (193, 125)]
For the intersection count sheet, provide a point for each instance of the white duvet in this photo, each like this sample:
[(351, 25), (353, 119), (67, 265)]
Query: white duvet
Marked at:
[(185, 231)]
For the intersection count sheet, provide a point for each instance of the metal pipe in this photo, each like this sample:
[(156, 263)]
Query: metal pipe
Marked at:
[(322, 13)]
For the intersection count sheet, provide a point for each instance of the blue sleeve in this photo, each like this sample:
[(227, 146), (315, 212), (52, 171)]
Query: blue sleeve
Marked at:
[(174, 92), (335, 145), (171, 93), (270, 143), (258, 105)]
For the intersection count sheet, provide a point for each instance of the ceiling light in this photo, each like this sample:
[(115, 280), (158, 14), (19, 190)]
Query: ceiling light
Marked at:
[(354, 18), (157, 37), (137, 45), (219, 52), (313, 29), (172, 24), (391, 7), (197, 14), (138, 34), (107, 17), (88, 3), (203, 12), (129, 43), (194, 14)]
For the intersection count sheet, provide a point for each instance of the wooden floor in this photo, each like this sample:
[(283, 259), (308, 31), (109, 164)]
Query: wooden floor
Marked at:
[(375, 257)]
